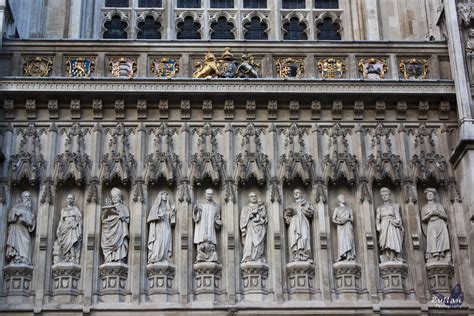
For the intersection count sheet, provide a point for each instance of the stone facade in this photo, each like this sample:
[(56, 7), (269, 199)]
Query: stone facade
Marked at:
[(260, 121)]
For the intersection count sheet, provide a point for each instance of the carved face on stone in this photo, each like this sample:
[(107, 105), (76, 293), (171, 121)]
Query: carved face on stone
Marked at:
[(116, 195), (209, 194), (385, 194), (26, 199), (252, 197), (70, 200), (297, 194), (430, 194), (164, 196), (341, 199)]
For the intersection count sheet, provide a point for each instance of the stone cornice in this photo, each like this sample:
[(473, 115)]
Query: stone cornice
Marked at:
[(222, 86)]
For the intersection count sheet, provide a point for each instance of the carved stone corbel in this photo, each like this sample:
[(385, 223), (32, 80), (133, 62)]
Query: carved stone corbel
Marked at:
[(138, 194), (47, 192), (275, 194), (230, 191), (93, 190), (185, 191)]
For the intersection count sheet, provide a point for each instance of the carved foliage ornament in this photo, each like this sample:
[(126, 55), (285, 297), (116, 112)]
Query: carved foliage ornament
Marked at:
[(331, 68), (414, 68), (37, 66), (373, 68), (123, 67), (164, 68), (290, 68), (80, 67)]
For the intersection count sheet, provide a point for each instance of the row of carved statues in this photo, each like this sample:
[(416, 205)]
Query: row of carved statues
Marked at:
[(206, 216)]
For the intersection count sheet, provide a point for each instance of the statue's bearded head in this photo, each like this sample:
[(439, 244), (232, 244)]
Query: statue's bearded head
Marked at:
[(26, 199)]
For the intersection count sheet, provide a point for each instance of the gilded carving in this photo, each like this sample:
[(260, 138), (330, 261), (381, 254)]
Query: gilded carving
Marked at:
[(290, 68), (373, 68), (80, 67), (208, 69), (226, 65), (414, 68), (248, 67), (123, 67), (331, 68), (37, 66), (164, 67)]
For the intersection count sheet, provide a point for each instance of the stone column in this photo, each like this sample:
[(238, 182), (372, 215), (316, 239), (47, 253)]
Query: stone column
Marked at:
[(75, 19), (2, 18), (372, 20)]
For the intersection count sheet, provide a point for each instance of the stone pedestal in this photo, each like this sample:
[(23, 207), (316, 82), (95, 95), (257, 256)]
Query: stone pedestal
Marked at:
[(113, 280), (207, 276), (347, 277), (254, 280), (17, 282), (440, 276), (66, 278), (300, 280), (160, 277), (394, 275)]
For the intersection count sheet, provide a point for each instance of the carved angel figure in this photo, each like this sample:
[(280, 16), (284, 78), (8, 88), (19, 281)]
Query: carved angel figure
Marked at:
[(299, 231), (437, 237), (162, 216)]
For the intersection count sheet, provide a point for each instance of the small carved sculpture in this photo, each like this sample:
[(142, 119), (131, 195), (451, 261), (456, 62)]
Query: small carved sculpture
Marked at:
[(115, 219), (207, 70), (80, 67), (331, 68), (248, 67), (162, 216), (390, 228), (37, 66), (299, 231), (124, 67), (164, 68), (21, 223), (372, 68), (290, 68), (343, 218), (253, 226), (207, 218), (227, 65), (437, 237), (414, 68), (67, 247)]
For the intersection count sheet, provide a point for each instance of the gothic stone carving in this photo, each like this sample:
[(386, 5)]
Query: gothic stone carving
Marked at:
[(414, 68), (37, 66), (253, 227), (123, 67), (160, 277), (373, 68), (331, 68), (347, 276), (67, 247), (394, 275), (343, 218), (207, 69), (66, 278), (18, 278), (80, 67), (254, 280), (290, 68), (164, 67), (300, 279)]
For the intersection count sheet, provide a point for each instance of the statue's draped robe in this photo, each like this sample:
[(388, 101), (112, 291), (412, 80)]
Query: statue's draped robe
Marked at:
[(437, 237), (255, 231), (389, 226), (345, 234), (205, 230), (159, 236), (114, 239), (299, 231), (21, 223), (69, 232)]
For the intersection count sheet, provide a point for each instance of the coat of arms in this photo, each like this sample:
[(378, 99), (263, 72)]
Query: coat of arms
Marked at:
[(164, 67), (37, 66), (331, 68), (123, 67), (79, 67), (372, 68), (414, 68)]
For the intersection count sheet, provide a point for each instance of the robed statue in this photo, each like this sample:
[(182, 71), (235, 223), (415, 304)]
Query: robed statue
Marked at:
[(343, 218), (162, 215), (115, 219), (207, 218), (253, 227), (390, 228), (21, 223), (299, 231), (67, 247), (437, 237)]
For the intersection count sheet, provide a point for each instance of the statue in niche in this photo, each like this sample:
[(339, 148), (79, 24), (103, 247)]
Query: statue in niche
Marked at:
[(390, 228), (297, 218), (207, 218), (162, 216), (437, 237), (115, 219), (253, 226), (343, 218), (67, 247), (21, 223)]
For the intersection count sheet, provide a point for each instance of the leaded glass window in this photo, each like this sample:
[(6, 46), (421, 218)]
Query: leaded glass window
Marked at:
[(115, 28), (257, 4), (188, 29), (256, 29), (293, 4), (294, 30), (189, 3), (116, 3), (326, 4), (149, 29), (222, 3), (222, 29), (328, 30), (149, 3)]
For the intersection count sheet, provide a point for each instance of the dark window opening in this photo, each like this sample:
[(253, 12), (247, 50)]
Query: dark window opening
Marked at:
[(326, 4), (188, 29), (255, 4), (115, 28), (222, 29), (116, 3), (222, 3), (294, 30), (256, 29), (149, 29), (189, 3), (149, 3), (294, 4), (328, 30)]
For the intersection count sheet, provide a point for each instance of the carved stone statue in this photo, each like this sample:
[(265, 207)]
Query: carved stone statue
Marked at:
[(248, 67), (115, 219), (299, 231), (437, 237), (67, 247), (21, 223), (207, 70), (343, 218), (390, 228), (253, 226), (207, 218), (162, 216)]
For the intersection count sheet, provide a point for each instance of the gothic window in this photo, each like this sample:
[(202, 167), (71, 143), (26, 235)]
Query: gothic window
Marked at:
[(188, 29), (257, 4), (294, 30), (293, 4), (116, 3), (328, 30), (326, 4), (189, 3), (115, 28), (222, 3), (149, 3), (222, 29), (149, 29), (256, 29)]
